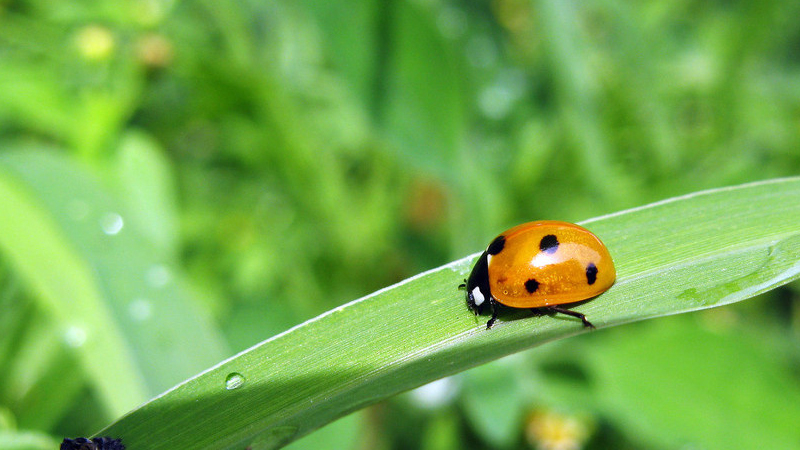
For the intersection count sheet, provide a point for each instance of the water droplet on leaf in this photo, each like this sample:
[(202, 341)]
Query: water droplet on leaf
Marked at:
[(111, 223), (234, 380)]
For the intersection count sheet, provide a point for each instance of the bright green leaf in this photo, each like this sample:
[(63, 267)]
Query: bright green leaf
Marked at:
[(680, 255)]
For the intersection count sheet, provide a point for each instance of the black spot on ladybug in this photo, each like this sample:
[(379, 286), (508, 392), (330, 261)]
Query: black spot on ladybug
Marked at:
[(549, 244), (497, 245), (531, 285), (591, 273), (98, 443)]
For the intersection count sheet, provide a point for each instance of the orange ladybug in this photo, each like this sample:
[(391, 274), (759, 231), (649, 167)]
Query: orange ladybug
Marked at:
[(540, 264)]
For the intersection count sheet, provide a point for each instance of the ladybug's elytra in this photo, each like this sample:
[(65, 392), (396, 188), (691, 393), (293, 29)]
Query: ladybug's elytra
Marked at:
[(540, 265)]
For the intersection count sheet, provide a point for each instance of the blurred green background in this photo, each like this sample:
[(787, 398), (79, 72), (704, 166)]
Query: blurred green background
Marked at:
[(180, 180)]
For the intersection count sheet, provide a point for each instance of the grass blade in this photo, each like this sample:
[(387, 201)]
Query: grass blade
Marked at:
[(684, 254)]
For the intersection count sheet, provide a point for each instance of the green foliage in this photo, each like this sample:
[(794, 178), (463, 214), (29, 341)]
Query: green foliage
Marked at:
[(102, 290), (269, 161), (672, 257)]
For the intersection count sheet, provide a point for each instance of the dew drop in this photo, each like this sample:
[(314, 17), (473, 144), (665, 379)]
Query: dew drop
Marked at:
[(140, 309), (234, 380), (75, 336), (158, 276), (111, 223)]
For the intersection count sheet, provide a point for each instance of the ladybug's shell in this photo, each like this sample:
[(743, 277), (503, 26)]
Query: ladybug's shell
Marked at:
[(549, 263)]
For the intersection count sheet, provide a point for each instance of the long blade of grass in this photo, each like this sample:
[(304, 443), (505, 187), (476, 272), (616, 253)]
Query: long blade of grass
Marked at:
[(702, 250)]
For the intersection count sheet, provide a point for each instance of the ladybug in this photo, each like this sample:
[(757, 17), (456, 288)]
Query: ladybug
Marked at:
[(540, 265), (98, 443)]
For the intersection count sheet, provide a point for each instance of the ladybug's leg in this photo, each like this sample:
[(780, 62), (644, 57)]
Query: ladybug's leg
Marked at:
[(491, 321), (586, 323)]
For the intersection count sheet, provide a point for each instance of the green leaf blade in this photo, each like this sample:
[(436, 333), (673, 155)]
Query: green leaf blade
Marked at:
[(675, 256)]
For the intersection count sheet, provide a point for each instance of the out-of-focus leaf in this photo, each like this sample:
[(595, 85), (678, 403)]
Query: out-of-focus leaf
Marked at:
[(115, 297), (494, 410), (342, 434), (147, 187), (66, 287), (424, 110), (26, 440), (681, 385)]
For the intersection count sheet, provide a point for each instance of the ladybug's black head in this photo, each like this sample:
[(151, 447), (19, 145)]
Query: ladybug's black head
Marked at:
[(477, 285)]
